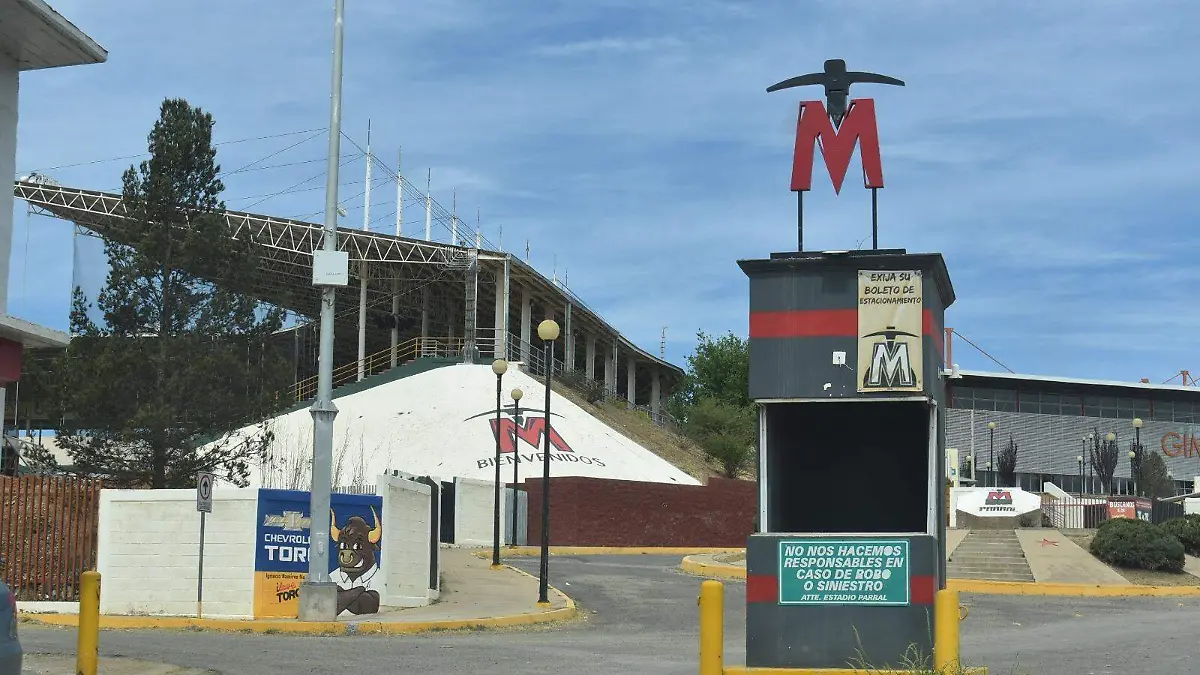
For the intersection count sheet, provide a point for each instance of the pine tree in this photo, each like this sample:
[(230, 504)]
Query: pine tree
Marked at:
[(177, 351)]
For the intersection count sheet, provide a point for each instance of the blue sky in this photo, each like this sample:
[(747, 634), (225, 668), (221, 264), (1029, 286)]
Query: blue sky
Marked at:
[(1047, 150)]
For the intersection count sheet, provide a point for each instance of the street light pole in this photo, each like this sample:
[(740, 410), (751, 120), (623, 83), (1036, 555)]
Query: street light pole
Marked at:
[(318, 594), (992, 452), (1080, 460), (1135, 475), (548, 332), (516, 397), (1110, 437), (499, 366)]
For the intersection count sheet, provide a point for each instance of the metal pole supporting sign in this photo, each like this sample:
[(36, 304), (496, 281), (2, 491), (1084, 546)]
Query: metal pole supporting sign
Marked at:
[(204, 491)]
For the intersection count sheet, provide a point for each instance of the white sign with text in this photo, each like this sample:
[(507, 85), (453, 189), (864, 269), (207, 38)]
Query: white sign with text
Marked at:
[(998, 502)]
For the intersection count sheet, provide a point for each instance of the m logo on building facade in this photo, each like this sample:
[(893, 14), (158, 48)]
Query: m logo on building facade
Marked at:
[(890, 331)]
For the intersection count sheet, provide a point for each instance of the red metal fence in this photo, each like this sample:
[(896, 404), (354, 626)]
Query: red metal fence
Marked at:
[(47, 535), (1071, 512)]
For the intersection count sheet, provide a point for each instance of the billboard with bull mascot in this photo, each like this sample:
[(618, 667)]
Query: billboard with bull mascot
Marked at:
[(281, 552)]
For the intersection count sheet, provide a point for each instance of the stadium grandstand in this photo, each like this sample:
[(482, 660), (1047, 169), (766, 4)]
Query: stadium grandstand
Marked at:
[(409, 296)]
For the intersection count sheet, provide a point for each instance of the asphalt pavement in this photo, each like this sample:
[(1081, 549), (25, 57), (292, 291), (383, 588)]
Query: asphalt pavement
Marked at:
[(640, 616)]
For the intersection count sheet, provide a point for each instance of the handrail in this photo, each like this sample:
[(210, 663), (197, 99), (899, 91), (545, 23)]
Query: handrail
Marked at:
[(380, 361)]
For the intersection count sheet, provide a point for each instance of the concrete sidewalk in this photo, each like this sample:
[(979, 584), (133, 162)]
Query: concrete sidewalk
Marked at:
[(1191, 565), (473, 596), (1054, 558), (49, 664)]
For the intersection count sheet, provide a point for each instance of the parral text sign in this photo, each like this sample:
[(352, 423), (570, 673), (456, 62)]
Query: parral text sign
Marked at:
[(822, 571)]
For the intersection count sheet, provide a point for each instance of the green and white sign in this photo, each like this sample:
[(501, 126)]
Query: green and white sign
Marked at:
[(824, 571)]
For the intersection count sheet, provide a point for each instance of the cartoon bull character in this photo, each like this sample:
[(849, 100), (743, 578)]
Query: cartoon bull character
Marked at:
[(357, 546)]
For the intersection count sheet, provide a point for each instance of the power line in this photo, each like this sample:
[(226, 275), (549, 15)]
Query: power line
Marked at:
[(981, 351), (144, 154)]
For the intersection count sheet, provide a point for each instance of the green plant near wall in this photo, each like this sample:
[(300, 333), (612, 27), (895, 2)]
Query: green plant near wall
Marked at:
[(1187, 531), (1137, 544)]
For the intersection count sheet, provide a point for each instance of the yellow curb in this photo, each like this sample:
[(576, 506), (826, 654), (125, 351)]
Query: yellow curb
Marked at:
[(1075, 590), (715, 570), (317, 627), (529, 551), (747, 670)]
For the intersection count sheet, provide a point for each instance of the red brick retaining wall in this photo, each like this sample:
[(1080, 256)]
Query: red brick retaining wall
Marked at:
[(601, 512)]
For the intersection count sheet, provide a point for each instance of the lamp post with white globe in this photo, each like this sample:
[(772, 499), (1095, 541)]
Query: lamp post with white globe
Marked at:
[(516, 397), (548, 332), (499, 367)]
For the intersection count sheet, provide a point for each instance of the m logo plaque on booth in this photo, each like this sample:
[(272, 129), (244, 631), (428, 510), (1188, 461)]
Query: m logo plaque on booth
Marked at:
[(890, 323)]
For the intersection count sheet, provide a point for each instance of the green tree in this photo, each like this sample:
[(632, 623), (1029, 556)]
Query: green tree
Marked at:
[(179, 353), (1153, 479), (1007, 464), (725, 432), (1104, 456), (719, 368)]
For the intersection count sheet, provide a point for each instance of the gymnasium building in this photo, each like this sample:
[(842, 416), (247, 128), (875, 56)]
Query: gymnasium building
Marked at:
[(1052, 420)]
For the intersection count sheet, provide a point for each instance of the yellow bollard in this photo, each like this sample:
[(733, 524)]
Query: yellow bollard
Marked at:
[(712, 628), (946, 617), (88, 652)]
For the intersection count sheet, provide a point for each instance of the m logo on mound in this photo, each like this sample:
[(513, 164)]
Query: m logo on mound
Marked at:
[(518, 426), (998, 498), (999, 501), (531, 430)]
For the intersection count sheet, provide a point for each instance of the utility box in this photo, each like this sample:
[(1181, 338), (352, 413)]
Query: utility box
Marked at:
[(846, 368)]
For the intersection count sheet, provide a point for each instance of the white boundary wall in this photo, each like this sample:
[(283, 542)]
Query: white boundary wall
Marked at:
[(148, 552), (474, 510), (407, 532)]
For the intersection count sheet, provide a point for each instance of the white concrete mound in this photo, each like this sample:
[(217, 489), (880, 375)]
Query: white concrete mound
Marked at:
[(440, 423)]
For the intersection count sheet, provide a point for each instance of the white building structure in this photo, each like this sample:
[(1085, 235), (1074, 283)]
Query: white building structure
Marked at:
[(32, 37)]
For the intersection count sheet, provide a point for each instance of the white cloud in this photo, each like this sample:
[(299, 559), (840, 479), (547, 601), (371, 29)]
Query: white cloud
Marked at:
[(1033, 143)]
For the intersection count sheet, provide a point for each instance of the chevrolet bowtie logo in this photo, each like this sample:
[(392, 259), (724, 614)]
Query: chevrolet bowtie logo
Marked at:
[(290, 521)]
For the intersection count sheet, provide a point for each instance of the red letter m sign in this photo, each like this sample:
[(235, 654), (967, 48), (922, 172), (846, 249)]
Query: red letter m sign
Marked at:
[(837, 145), (531, 432)]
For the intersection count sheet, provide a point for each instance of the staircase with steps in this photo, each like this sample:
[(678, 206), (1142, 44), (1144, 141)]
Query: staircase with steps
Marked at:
[(994, 555)]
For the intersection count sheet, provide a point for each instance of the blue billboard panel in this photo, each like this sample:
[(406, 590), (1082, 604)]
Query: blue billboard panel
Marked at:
[(282, 551)]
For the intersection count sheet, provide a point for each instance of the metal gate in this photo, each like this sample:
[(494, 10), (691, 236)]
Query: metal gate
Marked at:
[(435, 510), (516, 505), (447, 529)]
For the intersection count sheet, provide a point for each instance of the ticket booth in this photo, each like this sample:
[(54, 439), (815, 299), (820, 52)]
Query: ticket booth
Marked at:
[(846, 370)]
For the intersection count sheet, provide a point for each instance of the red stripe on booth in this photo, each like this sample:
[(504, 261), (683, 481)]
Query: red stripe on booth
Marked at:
[(762, 588), (921, 590)]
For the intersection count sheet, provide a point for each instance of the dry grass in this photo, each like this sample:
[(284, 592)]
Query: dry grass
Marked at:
[(1135, 576), (638, 427), (731, 558)]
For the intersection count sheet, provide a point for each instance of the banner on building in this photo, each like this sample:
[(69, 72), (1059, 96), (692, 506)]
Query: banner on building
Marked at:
[(282, 550), (890, 323)]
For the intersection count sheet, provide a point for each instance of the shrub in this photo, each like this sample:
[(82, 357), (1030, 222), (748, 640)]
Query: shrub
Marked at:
[(1136, 543), (1186, 530)]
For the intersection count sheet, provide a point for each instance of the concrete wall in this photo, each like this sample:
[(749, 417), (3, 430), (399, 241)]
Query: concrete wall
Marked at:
[(407, 531), (599, 512), (474, 508), (149, 552)]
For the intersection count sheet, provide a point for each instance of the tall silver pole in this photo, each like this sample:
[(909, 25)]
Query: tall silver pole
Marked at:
[(318, 595)]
